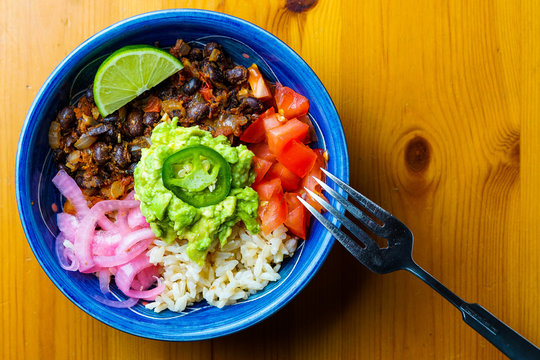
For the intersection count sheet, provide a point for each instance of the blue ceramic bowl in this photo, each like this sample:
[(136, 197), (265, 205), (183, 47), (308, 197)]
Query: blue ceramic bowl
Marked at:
[(246, 43)]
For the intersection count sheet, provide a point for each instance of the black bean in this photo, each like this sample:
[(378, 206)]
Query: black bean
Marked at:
[(135, 126), (59, 155), (197, 111), (166, 91), (232, 100), (121, 156), (237, 75), (66, 118), (111, 118), (210, 47), (150, 118), (79, 178), (70, 140), (252, 105), (100, 130), (191, 86), (195, 54), (102, 152), (213, 72)]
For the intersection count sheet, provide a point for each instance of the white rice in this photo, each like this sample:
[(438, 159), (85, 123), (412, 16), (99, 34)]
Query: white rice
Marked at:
[(245, 265)]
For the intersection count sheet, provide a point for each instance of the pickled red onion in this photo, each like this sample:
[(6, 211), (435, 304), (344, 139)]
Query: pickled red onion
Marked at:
[(83, 243), (104, 280), (63, 255), (136, 218), (118, 248), (126, 274), (69, 188), (125, 258)]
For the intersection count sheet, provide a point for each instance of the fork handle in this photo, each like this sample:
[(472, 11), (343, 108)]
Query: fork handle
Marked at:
[(492, 329)]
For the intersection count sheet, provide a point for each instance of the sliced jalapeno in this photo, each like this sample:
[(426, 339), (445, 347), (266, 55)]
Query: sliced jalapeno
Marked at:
[(197, 175)]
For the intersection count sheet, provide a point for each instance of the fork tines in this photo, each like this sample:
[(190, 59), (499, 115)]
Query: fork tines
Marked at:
[(349, 244)]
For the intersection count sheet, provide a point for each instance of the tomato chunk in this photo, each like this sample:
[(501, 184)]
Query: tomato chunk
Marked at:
[(268, 189), (309, 183), (273, 213), (292, 200), (270, 122), (297, 220), (290, 104), (281, 135), (289, 180), (257, 84), (261, 167), (298, 158), (254, 133), (262, 151)]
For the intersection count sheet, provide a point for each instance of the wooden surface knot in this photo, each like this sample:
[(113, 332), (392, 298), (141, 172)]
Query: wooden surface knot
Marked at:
[(299, 6), (413, 162), (417, 153)]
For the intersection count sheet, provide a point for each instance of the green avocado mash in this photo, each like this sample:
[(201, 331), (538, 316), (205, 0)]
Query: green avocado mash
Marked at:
[(170, 217)]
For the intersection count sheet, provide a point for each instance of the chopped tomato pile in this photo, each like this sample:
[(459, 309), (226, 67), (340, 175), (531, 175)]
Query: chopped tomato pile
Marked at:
[(284, 163)]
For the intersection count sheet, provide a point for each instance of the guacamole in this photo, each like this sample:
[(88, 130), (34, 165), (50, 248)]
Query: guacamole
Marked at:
[(169, 216)]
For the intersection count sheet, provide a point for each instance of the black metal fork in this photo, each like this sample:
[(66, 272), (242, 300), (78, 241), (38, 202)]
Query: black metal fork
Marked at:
[(398, 256)]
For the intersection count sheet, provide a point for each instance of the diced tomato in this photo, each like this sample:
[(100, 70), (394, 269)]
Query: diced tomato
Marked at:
[(270, 122), (256, 132), (298, 158), (309, 183), (297, 217), (311, 135), (153, 104), (281, 135), (262, 151), (289, 180), (257, 84), (290, 104), (206, 92), (297, 221), (268, 189), (261, 167), (273, 213), (292, 200), (267, 113)]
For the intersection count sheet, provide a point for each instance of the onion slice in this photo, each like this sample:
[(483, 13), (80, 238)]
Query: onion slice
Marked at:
[(104, 281), (122, 259), (136, 218), (117, 304), (69, 188), (83, 243), (133, 238), (66, 257), (126, 274)]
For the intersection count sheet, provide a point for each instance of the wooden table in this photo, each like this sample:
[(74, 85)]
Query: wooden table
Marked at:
[(440, 101)]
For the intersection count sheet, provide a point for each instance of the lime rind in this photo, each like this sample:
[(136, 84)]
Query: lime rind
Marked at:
[(130, 71)]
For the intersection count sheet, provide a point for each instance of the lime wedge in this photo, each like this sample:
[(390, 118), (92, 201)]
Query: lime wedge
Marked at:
[(128, 72)]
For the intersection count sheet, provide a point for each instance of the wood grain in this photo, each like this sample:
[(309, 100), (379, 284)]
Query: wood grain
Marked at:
[(440, 102)]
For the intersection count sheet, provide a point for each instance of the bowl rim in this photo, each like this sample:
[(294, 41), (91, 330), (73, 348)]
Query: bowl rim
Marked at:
[(25, 215)]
